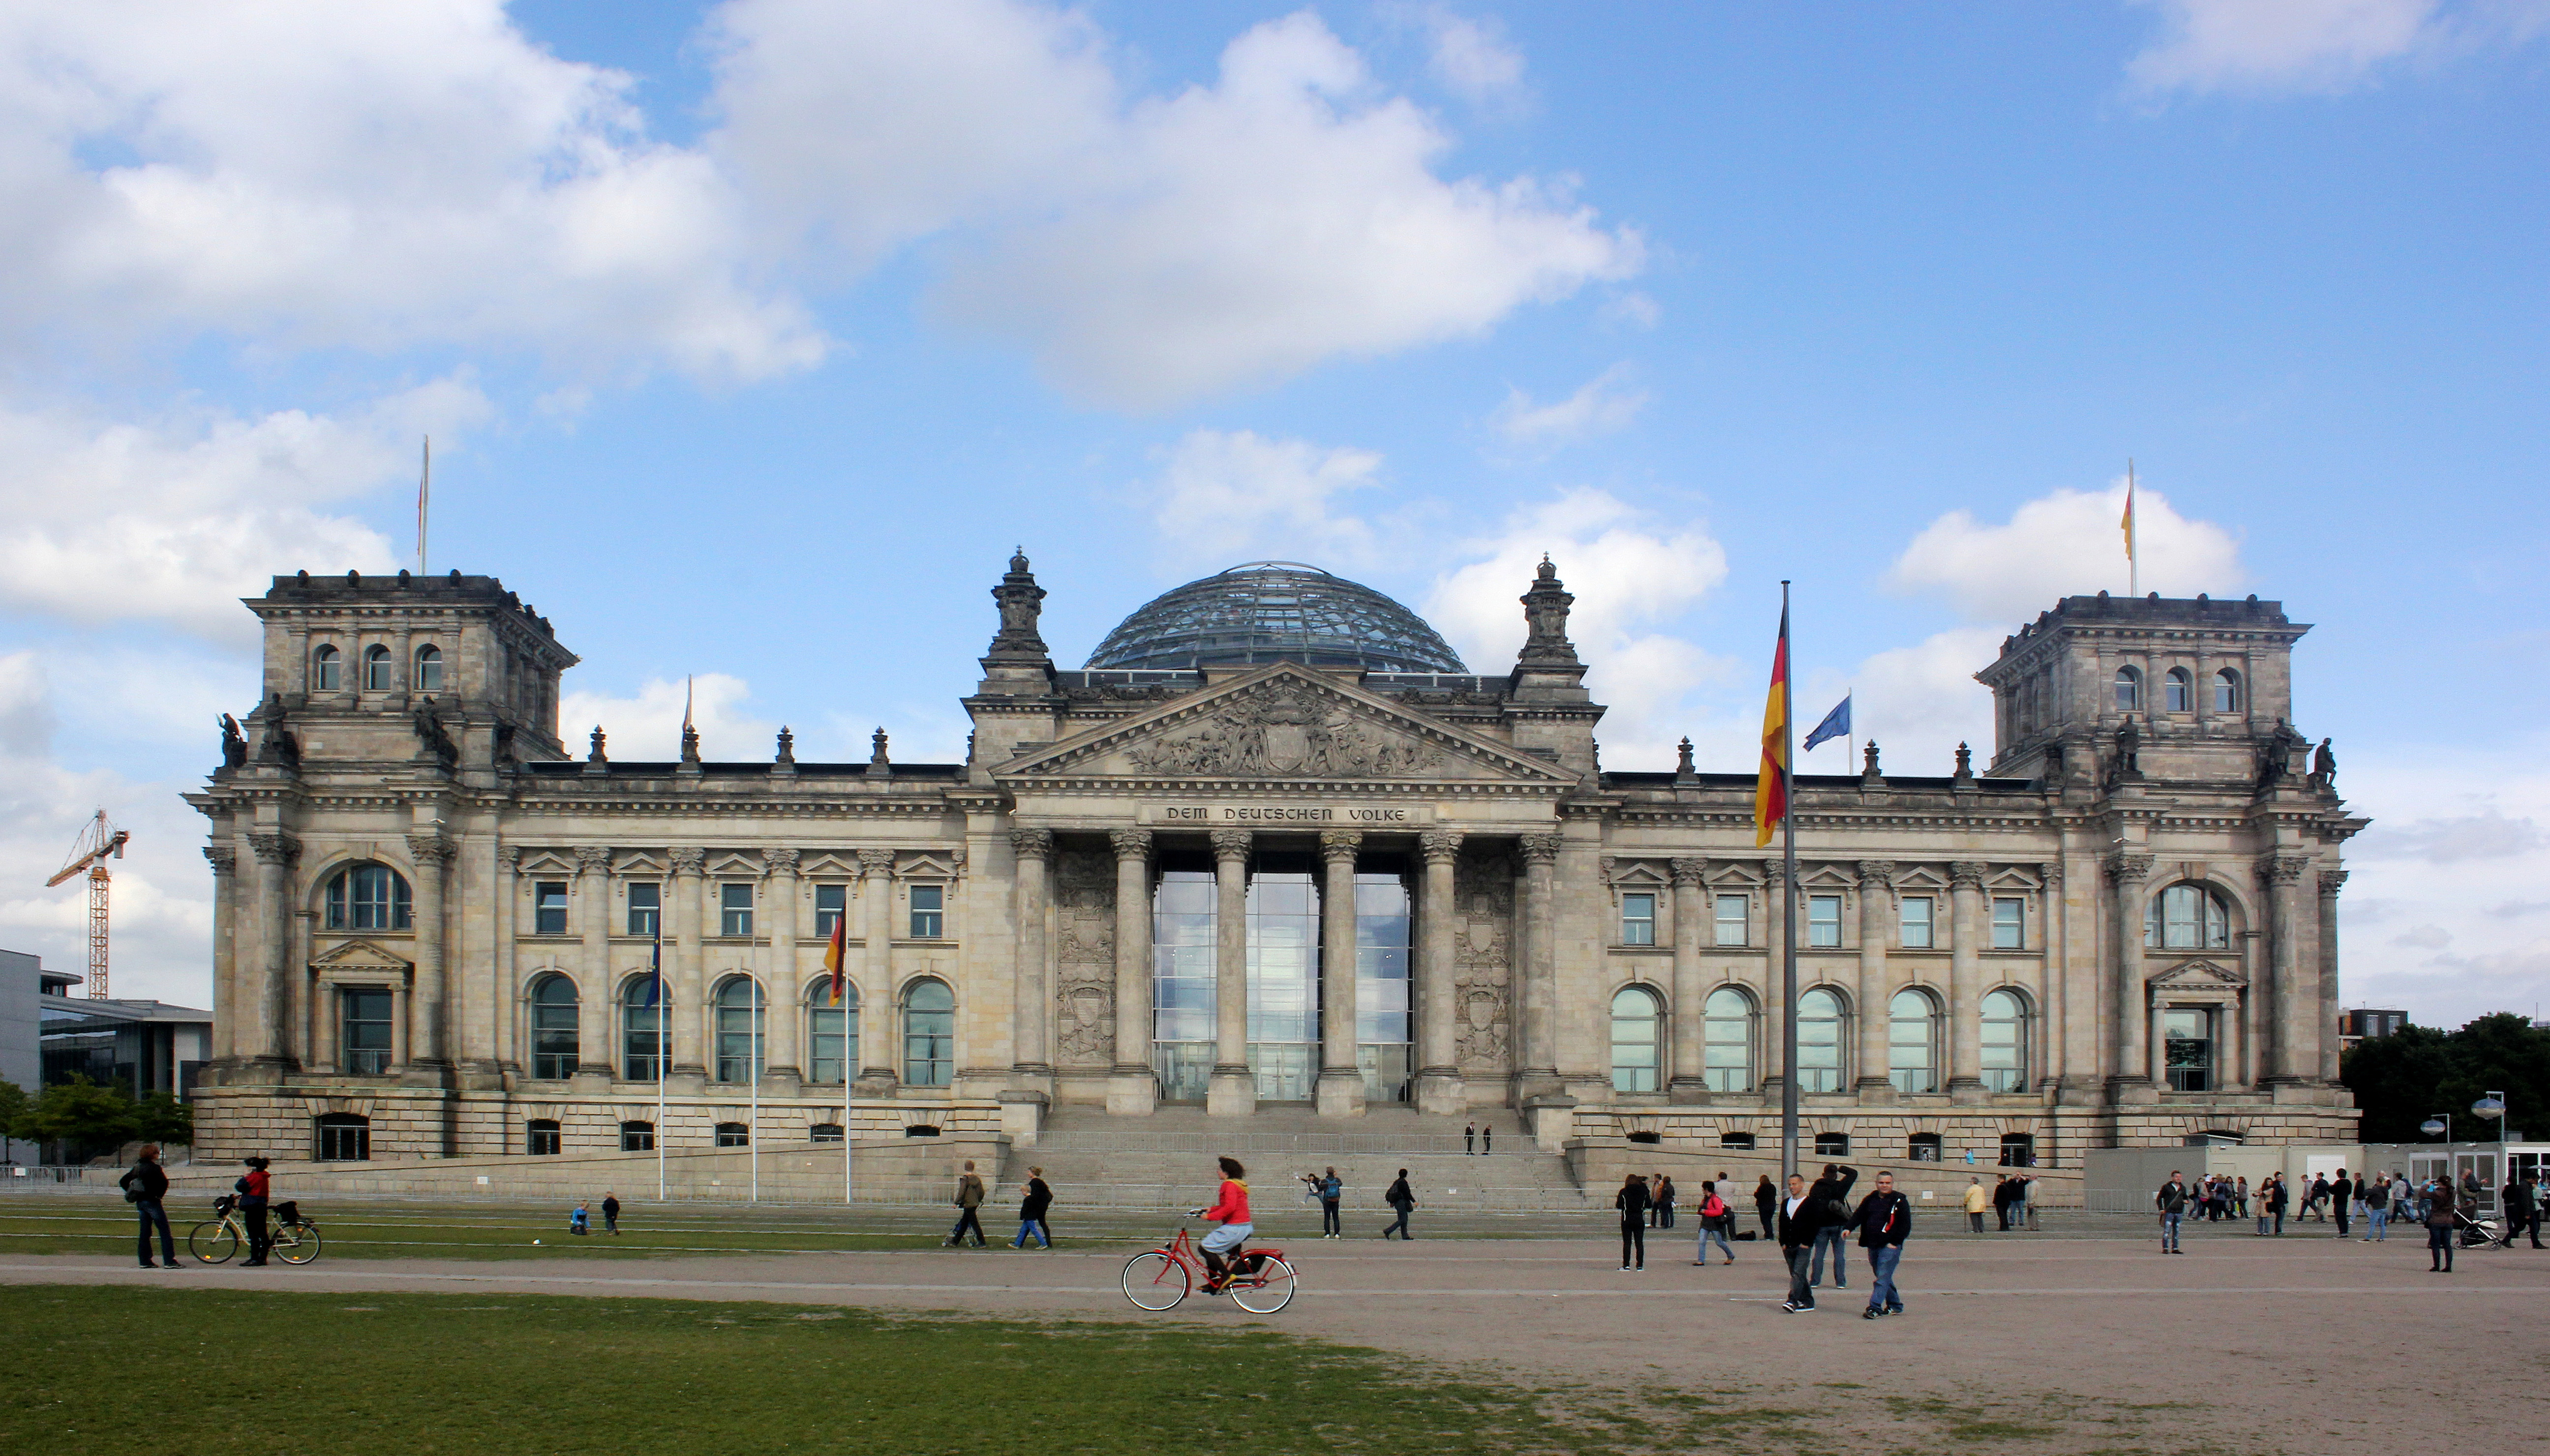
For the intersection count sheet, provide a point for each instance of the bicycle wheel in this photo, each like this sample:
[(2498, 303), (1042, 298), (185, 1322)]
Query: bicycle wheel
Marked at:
[(1267, 1291), (213, 1241), (1154, 1281), (295, 1243)]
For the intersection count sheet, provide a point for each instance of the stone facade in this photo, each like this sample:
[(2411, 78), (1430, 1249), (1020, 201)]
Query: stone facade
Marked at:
[(436, 924)]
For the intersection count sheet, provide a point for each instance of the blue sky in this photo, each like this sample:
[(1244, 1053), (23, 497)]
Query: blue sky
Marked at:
[(753, 336)]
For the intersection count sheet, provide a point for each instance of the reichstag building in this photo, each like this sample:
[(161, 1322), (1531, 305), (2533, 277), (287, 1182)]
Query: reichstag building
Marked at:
[(1273, 844)]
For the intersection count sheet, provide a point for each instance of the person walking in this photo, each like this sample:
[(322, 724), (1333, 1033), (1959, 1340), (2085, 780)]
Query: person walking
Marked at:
[(2342, 1200), (1331, 1190), (1715, 1218), (1800, 1221), (969, 1204), (2439, 1232), (611, 1213), (1664, 1196), (2171, 1200), (1832, 1195), (1975, 1204), (254, 1189), (1470, 1140), (1402, 1202), (1766, 1203), (146, 1186), (1632, 1201), (1883, 1218)]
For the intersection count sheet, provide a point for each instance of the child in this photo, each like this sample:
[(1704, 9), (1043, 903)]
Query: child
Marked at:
[(579, 1221)]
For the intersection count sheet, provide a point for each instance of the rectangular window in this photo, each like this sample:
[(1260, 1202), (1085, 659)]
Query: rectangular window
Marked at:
[(735, 909), (367, 1030), (831, 902), (929, 912), (1824, 920), (1732, 921), (2010, 923), (1638, 919), (646, 909), (1916, 922), (548, 908)]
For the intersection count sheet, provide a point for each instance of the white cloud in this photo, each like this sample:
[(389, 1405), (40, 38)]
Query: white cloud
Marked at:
[(1604, 403), (1472, 58), (2316, 46), (1224, 497), (647, 728), (2065, 543)]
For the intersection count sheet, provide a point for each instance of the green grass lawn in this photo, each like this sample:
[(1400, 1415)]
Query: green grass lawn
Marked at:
[(212, 1371)]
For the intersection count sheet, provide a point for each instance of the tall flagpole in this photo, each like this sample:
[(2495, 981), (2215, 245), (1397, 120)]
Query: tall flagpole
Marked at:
[(1788, 907)]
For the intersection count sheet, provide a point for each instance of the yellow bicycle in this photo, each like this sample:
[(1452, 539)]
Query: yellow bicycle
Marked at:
[(288, 1236)]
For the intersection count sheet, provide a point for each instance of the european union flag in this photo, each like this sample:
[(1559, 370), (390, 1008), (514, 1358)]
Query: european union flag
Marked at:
[(1836, 723)]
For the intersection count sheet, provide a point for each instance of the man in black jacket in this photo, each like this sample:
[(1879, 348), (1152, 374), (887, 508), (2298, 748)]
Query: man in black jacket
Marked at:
[(1831, 1195), (1801, 1219), (147, 1188), (1883, 1218)]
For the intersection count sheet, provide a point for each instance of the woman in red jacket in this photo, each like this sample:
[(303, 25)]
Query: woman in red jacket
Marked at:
[(1230, 1210)]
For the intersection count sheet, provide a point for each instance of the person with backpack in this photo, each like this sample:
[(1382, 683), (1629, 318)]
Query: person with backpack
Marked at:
[(1331, 1189), (1714, 1218), (2172, 1202), (969, 1204), (1402, 1200), (145, 1188), (1632, 1201), (1883, 1218)]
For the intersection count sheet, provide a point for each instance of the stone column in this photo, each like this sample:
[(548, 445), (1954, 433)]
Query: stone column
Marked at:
[(1776, 902), (1340, 1086), (688, 905), (1232, 1092), (1875, 902), (881, 1069), (2129, 1074), (1540, 968), (784, 1014), (2331, 881), (1966, 931), (276, 853), (593, 917), (225, 862), (1438, 1011), (1032, 1002), (2290, 979), (1689, 1082), (1132, 1088)]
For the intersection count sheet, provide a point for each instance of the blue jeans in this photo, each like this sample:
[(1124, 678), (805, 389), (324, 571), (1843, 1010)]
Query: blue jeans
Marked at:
[(1881, 1267), (1840, 1245), (151, 1213), (2169, 1231), (1705, 1234), (1032, 1227), (2379, 1222)]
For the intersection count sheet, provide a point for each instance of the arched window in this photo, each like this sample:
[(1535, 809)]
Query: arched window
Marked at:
[(428, 668), (1726, 1041), (344, 1138), (643, 1021), (2005, 1042), (1913, 1042), (2188, 917), (928, 1034), (553, 1039), (831, 1032), (2226, 690), (1819, 1041), (327, 670), (2178, 690), (1637, 1017), (368, 897), (637, 1137), (379, 674), (541, 1137), (2129, 689), (739, 1031)]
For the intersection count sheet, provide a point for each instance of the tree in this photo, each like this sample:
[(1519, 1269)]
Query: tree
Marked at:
[(2405, 1078), (83, 1115)]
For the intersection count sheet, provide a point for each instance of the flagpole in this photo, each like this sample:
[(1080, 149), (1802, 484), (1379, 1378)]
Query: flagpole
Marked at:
[(1788, 907)]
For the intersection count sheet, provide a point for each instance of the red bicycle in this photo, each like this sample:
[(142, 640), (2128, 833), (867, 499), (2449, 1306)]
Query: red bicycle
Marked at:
[(1261, 1281)]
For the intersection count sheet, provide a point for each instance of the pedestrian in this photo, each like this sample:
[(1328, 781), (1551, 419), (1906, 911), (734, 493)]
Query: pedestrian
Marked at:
[(2171, 1200), (579, 1221), (2439, 1232), (969, 1204), (1632, 1201), (1766, 1203), (1975, 1204), (1488, 1139), (1033, 1206), (611, 1213), (1883, 1220), (145, 1188), (1832, 1196), (1664, 1200), (1470, 1140), (253, 1189), (1331, 1190), (1800, 1221), (2342, 1200), (2376, 1212), (1402, 1200), (1714, 1218)]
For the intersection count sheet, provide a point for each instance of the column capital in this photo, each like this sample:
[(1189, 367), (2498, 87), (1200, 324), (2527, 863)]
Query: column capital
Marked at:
[(1439, 847), (874, 862), (2125, 868), (1877, 874), (1130, 844), (1967, 874), (1539, 848), (274, 848), (593, 859), (689, 860), (1342, 845), (1233, 843), (1686, 869), (2331, 881), (225, 859), (782, 861)]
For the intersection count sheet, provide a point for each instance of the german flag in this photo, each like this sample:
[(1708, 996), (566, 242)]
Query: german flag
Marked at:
[(833, 951), (1771, 786)]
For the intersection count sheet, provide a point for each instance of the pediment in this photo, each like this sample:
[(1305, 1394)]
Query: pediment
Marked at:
[(360, 955), (2194, 974), (1283, 724)]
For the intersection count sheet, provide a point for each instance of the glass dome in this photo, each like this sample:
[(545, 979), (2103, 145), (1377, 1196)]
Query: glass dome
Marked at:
[(1275, 612)]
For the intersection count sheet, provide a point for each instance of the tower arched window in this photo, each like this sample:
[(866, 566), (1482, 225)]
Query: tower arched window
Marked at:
[(739, 1031), (1819, 1041), (428, 668), (2129, 689), (2226, 690), (1726, 1041), (1913, 1042), (2188, 917), (2178, 690), (831, 1032), (928, 1034), (327, 668), (2004, 1063), (555, 1044), (368, 897), (379, 673), (643, 1021), (1637, 1018)]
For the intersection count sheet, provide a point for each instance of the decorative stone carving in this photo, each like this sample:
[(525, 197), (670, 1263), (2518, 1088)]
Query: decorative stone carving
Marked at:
[(1084, 902), (1967, 874), (593, 859), (1231, 843), (1539, 848), (1440, 845), (1284, 729), (1342, 845), (225, 859), (689, 859), (1686, 870), (274, 848), (1483, 963)]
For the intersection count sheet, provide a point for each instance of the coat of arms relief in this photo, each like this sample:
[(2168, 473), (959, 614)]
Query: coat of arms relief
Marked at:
[(1286, 732)]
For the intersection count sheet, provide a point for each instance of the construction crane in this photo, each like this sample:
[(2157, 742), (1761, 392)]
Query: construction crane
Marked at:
[(97, 843)]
